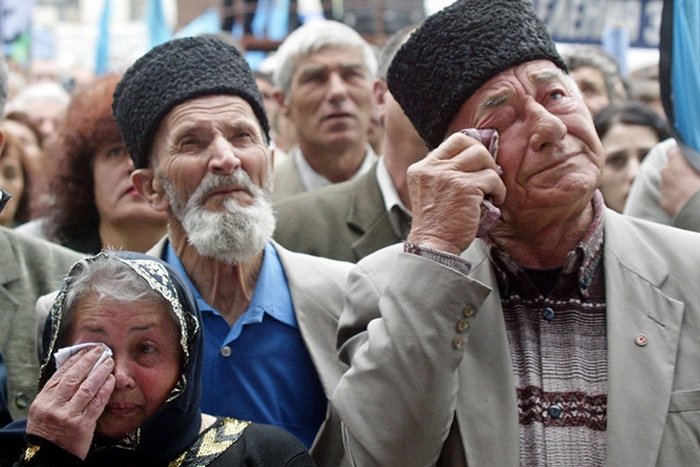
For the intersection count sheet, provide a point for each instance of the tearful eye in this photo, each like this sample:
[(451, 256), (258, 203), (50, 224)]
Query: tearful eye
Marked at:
[(556, 95), (189, 144), (147, 349)]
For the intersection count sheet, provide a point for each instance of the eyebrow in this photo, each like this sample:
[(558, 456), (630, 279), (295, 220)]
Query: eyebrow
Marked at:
[(492, 102), (547, 76), (314, 69), (99, 330), (499, 98)]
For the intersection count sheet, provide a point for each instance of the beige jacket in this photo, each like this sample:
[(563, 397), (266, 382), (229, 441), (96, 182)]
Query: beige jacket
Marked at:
[(412, 398)]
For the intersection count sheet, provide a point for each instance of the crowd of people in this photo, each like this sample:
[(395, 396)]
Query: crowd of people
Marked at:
[(207, 265)]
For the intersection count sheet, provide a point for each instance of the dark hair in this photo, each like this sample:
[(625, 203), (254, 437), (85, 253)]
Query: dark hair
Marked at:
[(72, 216), (631, 113)]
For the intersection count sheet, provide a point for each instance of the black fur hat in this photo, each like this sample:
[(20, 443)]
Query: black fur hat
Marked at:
[(456, 51), (172, 73)]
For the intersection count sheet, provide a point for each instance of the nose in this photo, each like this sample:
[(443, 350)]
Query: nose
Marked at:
[(223, 158), (337, 87), (129, 164), (633, 167), (548, 129), (122, 374)]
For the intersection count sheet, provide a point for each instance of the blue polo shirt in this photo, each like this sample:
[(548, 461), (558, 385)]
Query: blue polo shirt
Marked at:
[(260, 369)]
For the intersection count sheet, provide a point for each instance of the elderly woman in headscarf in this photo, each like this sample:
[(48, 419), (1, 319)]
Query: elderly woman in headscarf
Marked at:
[(120, 382)]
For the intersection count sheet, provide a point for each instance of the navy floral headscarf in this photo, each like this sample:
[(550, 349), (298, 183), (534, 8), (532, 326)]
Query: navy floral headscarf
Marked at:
[(175, 426)]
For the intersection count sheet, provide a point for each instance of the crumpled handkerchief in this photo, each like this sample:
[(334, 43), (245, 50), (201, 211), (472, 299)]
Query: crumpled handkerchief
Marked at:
[(65, 353)]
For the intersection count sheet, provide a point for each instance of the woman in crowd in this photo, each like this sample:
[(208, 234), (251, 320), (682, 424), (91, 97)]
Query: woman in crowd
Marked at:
[(14, 180), (628, 131), (128, 390), (23, 129), (94, 204)]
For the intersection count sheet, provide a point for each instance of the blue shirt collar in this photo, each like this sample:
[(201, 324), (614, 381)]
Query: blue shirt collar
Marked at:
[(271, 295)]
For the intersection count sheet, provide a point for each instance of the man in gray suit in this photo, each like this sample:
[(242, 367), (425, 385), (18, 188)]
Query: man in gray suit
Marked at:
[(192, 117), (324, 74), (349, 220), (567, 334), (30, 268)]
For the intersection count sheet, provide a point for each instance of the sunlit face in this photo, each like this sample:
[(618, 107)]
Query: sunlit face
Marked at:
[(549, 150), (213, 172), (213, 134), (625, 146), (591, 82), (12, 181), (331, 98), (117, 201), (144, 339)]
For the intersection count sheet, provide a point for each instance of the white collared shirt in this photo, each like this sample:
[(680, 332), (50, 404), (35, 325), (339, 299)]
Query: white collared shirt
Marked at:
[(391, 197), (312, 179)]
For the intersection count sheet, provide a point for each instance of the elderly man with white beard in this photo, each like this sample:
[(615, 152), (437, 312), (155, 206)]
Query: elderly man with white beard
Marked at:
[(193, 120)]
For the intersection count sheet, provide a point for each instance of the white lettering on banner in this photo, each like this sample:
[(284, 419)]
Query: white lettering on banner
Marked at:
[(587, 20)]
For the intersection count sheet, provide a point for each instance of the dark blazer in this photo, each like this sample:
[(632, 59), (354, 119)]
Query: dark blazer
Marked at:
[(30, 268), (346, 221)]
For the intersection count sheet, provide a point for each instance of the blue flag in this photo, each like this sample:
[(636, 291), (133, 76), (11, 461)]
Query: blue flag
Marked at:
[(102, 56), (679, 73), (271, 19), (158, 29)]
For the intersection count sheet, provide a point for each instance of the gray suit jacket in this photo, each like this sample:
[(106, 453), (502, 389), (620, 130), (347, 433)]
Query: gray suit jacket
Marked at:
[(30, 268), (287, 181), (346, 221), (412, 398), (317, 286), (689, 217)]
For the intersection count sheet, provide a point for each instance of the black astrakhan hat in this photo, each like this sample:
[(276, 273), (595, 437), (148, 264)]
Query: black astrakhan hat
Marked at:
[(456, 51), (172, 73)]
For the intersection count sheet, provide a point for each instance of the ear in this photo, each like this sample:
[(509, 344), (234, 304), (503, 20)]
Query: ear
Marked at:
[(380, 90), (150, 187), (281, 99)]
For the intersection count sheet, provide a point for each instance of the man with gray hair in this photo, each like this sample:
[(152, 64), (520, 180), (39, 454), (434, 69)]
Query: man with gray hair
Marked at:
[(192, 117), (30, 269), (350, 220), (324, 77)]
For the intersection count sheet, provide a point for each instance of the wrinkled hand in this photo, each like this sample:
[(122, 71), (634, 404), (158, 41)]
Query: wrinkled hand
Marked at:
[(66, 410), (679, 181), (446, 190)]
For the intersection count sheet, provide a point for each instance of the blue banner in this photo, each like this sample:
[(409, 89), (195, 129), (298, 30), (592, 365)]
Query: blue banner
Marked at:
[(102, 57), (587, 21)]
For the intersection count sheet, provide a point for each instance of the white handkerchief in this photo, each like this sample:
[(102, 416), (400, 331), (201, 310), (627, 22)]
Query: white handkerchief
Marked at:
[(66, 352)]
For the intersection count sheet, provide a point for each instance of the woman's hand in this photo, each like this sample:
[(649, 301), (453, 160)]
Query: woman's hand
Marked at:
[(66, 410)]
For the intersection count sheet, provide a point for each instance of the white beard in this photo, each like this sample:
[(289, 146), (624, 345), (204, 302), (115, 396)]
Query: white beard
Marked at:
[(234, 235)]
